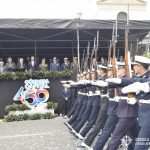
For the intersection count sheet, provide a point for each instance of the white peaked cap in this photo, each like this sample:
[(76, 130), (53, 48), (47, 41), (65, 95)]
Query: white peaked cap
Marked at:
[(142, 60), (120, 63)]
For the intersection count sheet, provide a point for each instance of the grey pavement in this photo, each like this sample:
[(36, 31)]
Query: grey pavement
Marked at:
[(37, 135), (50, 134)]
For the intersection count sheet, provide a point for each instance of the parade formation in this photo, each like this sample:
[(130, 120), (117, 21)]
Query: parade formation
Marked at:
[(112, 100)]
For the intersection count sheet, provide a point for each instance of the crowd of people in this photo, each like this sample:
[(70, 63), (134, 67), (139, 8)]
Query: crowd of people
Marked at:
[(34, 65), (113, 107)]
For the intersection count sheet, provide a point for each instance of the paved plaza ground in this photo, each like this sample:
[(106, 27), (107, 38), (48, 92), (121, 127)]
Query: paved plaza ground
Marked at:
[(37, 135), (50, 134)]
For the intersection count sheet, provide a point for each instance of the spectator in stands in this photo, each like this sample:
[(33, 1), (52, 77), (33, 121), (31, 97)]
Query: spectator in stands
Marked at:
[(32, 65), (65, 66), (74, 64), (43, 66), (54, 66), (21, 66), (10, 65), (2, 67)]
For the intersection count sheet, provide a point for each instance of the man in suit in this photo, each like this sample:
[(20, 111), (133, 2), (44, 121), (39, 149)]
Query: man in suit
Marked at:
[(66, 93), (32, 65), (54, 66)]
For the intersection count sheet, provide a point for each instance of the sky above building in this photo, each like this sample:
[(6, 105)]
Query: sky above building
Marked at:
[(51, 9)]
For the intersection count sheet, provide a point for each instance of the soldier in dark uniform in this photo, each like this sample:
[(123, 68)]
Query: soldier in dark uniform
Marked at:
[(127, 114), (112, 118), (80, 99), (143, 97), (88, 111), (54, 66), (102, 116), (65, 66)]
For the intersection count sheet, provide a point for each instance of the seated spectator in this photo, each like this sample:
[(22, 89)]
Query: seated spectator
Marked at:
[(21, 66), (65, 66), (54, 66), (43, 66), (32, 65), (2, 67), (10, 65)]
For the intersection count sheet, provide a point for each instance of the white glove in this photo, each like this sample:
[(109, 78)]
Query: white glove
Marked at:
[(63, 82), (131, 101), (136, 87), (100, 83), (113, 80), (84, 82), (117, 98)]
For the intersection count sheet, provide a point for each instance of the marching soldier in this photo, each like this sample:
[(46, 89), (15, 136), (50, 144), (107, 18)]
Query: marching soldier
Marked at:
[(143, 97), (126, 112), (112, 118), (102, 115)]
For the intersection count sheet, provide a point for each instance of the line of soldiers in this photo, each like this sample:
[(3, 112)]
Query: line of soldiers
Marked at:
[(115, 108)]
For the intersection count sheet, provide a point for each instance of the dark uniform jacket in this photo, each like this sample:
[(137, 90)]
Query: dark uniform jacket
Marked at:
[(124, 109), (144, 109)]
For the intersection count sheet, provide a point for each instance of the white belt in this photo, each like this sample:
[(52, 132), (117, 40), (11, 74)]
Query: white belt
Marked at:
[(82, 93), (123, 97), (97, 92), (142, 101), (104, 95), (112, 99)]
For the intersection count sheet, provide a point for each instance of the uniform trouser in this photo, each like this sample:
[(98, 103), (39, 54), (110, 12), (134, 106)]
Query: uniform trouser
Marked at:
[(85, 116), (80, 114), (76, 113), (71, 112), (125, 126), (143, 140), (101, 119), (107, 130), (91, 121)]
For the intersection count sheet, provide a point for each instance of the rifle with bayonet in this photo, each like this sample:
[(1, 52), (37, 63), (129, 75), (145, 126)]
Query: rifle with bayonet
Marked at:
[(78, 51), (92, 54), (91, 59), (82, 61), (96, 49), (114, 61), (87, 58), (109, 54), (127, 54)]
